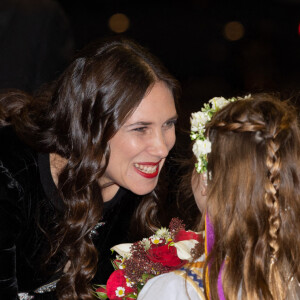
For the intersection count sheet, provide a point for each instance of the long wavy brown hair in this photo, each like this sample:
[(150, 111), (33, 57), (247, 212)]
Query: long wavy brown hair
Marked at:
[(76, 118), (253, 199)]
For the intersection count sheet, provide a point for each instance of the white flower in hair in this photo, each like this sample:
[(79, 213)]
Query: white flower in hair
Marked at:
[(218, 102), (198, 120), (202, 145)]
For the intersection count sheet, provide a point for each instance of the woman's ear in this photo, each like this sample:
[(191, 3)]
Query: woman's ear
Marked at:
[(199, 187)]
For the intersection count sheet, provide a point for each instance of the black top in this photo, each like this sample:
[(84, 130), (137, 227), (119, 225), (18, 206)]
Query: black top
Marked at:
[(28, 201)]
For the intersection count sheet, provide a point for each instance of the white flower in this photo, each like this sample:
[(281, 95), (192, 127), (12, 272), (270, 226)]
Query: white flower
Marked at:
[(218, 102), (120, 292), (201, 147), (146, 243), (129, 283), (199, 165), (184, 249), (123, 249), (245, 98), (194, 136), (155, 239), (163, 232), (198, 120)]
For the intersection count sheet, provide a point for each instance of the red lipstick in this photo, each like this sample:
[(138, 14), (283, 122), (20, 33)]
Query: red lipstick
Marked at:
[(148, 175)]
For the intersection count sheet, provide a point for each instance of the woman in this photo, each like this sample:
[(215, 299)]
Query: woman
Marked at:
[(251, 205), (75, 162)]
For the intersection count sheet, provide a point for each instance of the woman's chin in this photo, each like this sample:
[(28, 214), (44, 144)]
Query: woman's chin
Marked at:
[(143, 190)]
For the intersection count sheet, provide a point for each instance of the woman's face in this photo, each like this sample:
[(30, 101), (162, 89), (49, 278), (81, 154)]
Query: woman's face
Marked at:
[(140, 147)]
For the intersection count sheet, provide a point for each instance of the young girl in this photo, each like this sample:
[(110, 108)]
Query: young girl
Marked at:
[(250, 203)]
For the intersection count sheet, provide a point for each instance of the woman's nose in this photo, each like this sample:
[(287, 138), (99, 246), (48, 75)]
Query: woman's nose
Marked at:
[(158, 145)]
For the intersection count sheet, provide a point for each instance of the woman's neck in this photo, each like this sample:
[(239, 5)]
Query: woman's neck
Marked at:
[(57, 163)]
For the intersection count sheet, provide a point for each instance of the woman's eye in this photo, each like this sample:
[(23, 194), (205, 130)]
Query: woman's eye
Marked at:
[(171, 123), (140, 129)]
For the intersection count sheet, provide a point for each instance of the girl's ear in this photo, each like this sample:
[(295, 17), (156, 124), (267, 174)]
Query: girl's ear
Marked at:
[(199, 187)]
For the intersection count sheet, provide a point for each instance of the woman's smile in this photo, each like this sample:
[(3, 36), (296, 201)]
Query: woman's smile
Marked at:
[(147, 169)]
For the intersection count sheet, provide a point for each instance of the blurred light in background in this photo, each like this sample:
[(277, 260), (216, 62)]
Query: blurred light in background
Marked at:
[(234, 31), (118, 23), (299, 29)]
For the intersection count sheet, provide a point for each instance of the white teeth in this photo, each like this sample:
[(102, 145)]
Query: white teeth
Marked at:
[(146, 169)]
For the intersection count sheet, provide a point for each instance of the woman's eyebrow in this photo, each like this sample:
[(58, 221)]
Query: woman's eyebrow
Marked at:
[(143, 123), (174, 117), (139, 124)]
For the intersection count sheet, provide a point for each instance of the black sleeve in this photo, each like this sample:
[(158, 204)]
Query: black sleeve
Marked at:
[(10, 227)]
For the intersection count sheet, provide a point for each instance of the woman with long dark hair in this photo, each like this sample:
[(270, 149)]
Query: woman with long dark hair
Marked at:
[(75, 163), (249, 193)]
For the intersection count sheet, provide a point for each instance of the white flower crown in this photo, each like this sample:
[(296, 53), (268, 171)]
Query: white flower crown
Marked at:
[(202, 145)]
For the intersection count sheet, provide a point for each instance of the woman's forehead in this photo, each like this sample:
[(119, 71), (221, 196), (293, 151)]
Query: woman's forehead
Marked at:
[(157, 104)]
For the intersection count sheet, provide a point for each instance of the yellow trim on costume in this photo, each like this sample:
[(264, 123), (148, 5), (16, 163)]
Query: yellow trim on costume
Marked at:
[(196, 287), (197, 268)]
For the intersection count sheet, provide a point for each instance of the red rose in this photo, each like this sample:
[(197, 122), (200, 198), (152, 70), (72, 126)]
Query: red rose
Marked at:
[(117, 280), (166, 255), (183, 235)]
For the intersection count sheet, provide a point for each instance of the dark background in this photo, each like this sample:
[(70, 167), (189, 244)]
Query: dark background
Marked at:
[(188, 36)]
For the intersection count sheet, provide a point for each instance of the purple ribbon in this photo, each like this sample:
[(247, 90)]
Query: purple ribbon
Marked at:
[(210, 240)]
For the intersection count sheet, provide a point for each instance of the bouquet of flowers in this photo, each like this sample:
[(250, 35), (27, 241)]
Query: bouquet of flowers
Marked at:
[(165, 251)]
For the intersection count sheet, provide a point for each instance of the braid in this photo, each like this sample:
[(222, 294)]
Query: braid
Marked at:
[(272, 184), (239, 126), (266, 134)]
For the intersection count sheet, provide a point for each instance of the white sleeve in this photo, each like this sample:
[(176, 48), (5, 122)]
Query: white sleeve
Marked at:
[(168, 286)]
